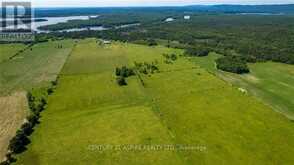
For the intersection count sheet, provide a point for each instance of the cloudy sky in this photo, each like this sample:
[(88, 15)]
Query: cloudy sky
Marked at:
[(103, 3)]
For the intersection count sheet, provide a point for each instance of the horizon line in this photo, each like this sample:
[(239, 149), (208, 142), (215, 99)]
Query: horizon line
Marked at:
[(187, 5)]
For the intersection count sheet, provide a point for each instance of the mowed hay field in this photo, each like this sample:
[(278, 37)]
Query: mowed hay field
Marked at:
[(13, 110), (183, 104), (9, 50), (34, 67), (272, 83)]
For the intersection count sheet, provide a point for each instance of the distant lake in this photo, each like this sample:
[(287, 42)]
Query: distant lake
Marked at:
[(169, 19), (52, 21), (94, 28), (97, 28), (261, 13), (55, 20)]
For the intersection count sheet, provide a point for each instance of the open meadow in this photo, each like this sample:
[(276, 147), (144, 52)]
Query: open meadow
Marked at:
[(9, 50), (90, 119), (270, 82), (34, 67)]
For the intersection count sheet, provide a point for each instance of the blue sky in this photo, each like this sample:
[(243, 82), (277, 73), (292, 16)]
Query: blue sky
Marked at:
[(103, 3)]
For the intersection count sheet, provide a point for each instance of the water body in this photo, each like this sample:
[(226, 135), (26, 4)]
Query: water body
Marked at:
[(55, 20), (261, 14), (169, 19), (50, 21), (94, 28), (127, 25), (187, 17), (97, 28)]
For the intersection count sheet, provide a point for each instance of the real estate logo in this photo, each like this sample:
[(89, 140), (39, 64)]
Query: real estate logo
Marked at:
[(16, 22)]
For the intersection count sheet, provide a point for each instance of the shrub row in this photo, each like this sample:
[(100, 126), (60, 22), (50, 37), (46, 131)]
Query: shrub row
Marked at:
[(199, 51), (147, 68), (151, 42), (124, 72), (169, 58), (30, 45), (232, 64)]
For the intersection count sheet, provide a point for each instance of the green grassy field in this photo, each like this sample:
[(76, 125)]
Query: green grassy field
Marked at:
[(34, 67), (270, 82), (9, 50), (183, 104)]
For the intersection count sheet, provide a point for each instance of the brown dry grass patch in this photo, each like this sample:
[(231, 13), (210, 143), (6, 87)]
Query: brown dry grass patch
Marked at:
[(13, 110)]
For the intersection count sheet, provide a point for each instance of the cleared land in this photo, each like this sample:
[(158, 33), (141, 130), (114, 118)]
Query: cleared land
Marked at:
[(182, 104), (9, 50), (272, 83), (13, 110), (34, 67), (31, 68), (89, 109)]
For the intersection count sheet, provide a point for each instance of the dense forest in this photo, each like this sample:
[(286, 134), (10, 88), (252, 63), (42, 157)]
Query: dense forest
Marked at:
[(232, 64), (254, 37), (110, 20), (251, 37)]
